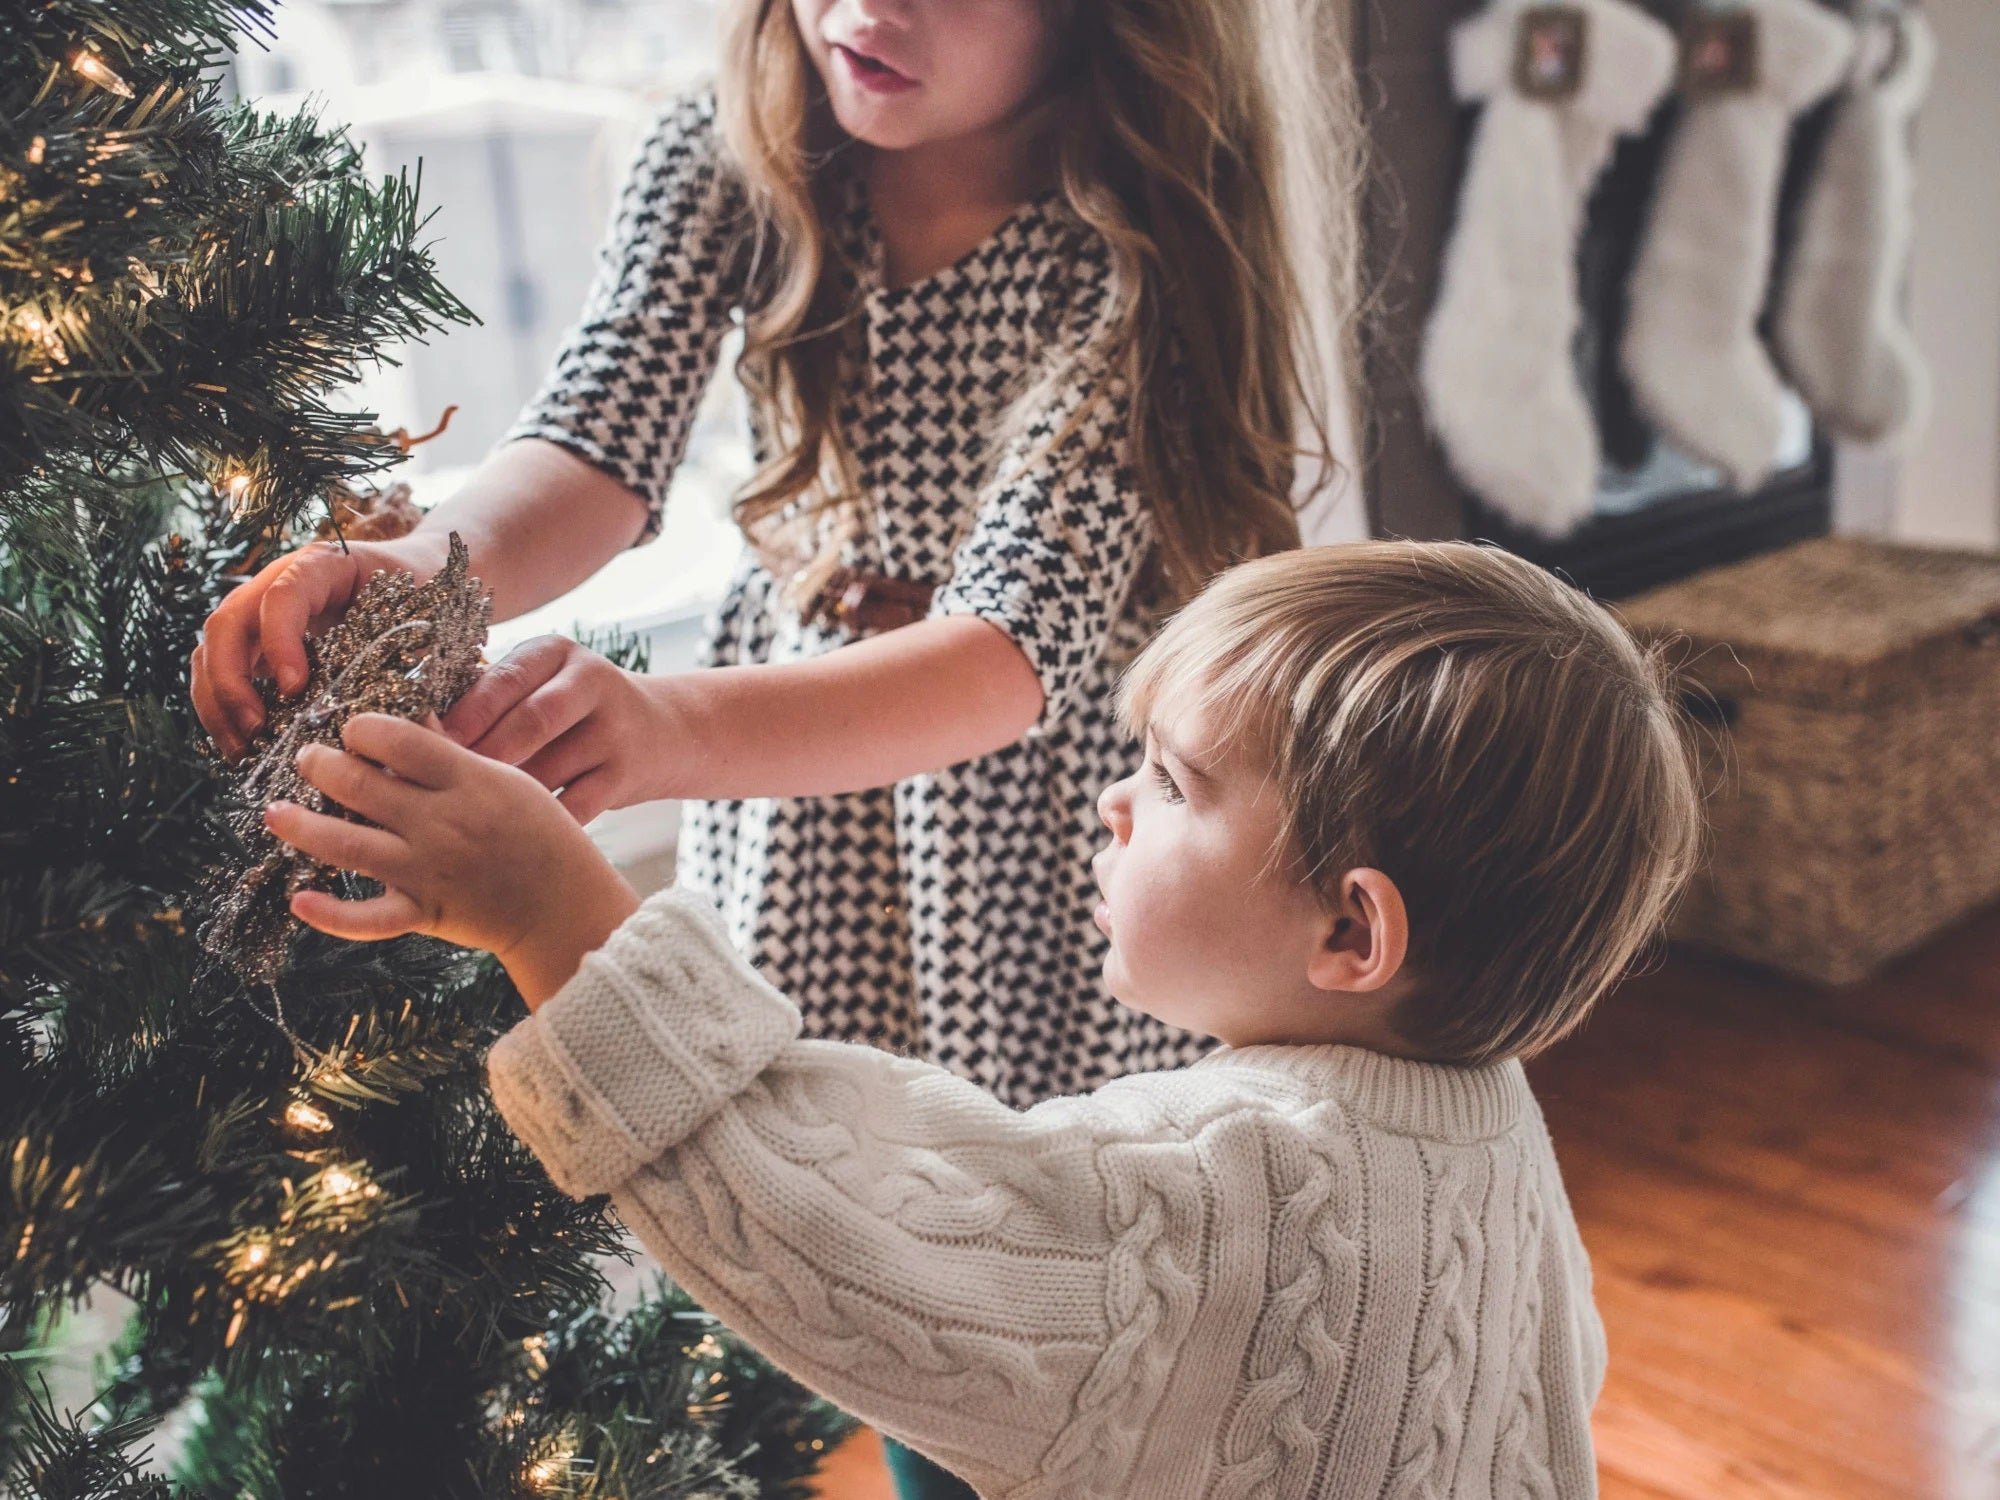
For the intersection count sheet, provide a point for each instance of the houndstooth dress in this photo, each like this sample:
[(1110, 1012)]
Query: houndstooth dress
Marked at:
[(948, 915)]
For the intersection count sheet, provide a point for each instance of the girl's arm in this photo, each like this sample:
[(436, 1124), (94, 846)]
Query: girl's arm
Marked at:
[(612, 421), (914, 700), (1003, 1289), (537, 521), (1037, 592), (917, 699)]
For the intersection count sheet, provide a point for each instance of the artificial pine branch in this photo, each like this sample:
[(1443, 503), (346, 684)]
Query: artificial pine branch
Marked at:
[(334, 1246)]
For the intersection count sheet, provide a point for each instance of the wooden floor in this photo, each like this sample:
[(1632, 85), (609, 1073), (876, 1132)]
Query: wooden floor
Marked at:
[(1792, 1200)]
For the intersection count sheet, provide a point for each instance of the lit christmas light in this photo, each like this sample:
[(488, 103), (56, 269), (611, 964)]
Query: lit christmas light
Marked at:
[(93, 67), (255, 1254), (303, 1114), (39, 329), (544, 1472), (342, 1183), (238, 486)]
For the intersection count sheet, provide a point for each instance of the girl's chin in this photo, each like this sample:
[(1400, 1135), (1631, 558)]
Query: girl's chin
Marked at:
[(884, 128)]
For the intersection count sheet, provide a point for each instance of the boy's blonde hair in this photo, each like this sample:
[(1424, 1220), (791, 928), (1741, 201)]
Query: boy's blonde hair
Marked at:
[(1485, 735)]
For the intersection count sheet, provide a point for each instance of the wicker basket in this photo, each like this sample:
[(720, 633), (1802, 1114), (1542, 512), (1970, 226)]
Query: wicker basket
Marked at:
[(1854, 773)]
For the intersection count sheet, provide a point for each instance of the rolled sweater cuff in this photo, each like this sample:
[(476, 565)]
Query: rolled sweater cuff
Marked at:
[(657, 1029)]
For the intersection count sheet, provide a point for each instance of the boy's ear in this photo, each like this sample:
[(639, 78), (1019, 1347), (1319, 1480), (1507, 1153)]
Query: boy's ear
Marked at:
[(1365, 937)]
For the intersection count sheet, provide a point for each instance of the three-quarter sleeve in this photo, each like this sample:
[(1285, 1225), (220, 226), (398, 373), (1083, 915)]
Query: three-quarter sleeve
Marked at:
[(1059, 537), (626, 385)]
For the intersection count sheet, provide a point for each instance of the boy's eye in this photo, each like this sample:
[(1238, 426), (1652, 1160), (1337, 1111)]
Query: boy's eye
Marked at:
[(1166, 781)]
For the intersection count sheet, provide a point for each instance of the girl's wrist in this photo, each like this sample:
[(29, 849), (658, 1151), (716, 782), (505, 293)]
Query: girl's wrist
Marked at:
[(684, 733)]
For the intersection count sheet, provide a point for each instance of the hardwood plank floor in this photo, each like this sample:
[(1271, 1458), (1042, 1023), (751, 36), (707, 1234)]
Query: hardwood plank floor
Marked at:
[(1792, 1201)]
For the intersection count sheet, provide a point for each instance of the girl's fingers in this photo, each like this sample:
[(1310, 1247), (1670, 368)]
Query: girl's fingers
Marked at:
[(388, 915), (536, 722), (358, 786), (215, 718), (586, 797), (566, 758), (222, 669), (317, 578), (410, 750), (335, 841), (510, 680)]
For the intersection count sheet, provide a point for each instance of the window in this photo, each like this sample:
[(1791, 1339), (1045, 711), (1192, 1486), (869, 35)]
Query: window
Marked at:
[(523, 115)]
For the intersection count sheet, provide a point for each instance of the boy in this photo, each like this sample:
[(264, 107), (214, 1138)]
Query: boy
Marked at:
[(1406, 812)]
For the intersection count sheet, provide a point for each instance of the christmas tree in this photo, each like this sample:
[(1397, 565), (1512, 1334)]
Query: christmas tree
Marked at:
[(348, 1277)]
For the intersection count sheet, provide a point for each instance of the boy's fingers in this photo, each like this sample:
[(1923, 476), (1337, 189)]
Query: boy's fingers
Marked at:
[(357, 785), (410, 750), (337, 842), (388, 915)]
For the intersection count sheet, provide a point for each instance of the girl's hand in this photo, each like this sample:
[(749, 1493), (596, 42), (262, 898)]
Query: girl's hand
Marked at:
[(585, 729), (471, 851), (264, 623)]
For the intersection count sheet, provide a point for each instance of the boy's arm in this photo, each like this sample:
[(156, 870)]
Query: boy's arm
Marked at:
[(994, 1287)]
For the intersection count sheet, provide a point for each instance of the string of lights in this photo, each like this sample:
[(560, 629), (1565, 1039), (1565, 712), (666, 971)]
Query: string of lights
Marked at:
[(346, 1275)]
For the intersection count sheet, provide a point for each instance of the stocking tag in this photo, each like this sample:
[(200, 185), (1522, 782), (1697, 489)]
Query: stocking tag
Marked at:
[(1718, 53), (1548, 52)]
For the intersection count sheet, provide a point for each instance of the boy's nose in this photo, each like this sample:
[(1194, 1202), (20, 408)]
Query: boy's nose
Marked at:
[(1114, 806)]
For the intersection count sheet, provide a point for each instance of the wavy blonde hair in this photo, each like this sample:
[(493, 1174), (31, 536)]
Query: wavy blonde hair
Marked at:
[(1217, 155)]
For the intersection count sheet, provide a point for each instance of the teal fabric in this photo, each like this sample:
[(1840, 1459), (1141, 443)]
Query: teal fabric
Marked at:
[(917, 1478)]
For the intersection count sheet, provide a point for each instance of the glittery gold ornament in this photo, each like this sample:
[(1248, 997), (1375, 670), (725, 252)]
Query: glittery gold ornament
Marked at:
[(403, 648)]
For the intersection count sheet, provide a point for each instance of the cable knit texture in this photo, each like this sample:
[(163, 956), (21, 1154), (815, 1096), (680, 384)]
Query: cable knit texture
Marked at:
[(1282, 1272)]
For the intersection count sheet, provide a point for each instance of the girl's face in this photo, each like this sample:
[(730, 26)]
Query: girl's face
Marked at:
[(907, 73)]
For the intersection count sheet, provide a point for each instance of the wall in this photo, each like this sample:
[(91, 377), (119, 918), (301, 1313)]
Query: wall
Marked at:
[(1946, 488)]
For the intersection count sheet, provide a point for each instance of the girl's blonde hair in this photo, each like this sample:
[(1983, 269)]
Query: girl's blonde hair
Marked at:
[(1213, 146), (1485, 735)]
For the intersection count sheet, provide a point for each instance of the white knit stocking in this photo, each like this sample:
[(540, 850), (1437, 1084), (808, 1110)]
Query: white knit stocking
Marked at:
[(1840, 332), (1691, 348), (1498, 373)]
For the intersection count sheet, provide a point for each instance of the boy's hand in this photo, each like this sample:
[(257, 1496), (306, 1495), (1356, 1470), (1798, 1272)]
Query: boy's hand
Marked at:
[(472, 851)]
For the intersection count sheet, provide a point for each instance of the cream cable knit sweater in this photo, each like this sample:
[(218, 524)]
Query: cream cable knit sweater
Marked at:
[(1282, 1272)]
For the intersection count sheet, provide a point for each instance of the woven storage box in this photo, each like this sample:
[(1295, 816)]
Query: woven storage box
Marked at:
[(1854, 767)]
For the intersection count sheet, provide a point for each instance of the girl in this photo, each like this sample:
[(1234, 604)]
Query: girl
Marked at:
[(1035, 297)]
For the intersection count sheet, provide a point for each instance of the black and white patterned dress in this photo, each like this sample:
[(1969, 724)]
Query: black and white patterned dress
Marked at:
[(948, 915)]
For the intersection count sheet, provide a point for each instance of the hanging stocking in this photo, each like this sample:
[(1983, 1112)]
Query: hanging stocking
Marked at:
[(1840, 328), (1560, 84), (1691, 348)]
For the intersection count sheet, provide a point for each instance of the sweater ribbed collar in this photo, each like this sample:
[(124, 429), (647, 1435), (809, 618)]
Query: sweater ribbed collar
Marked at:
[(1437, 1101)]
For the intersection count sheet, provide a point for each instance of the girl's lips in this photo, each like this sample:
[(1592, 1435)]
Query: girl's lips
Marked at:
[(1102, 917), (870, 73)]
